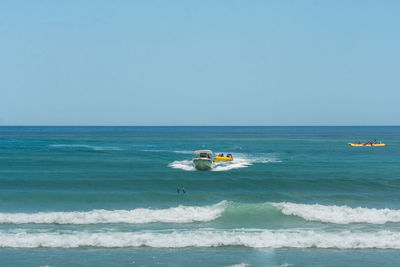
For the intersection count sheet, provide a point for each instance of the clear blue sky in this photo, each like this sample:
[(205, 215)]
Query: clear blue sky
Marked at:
[(199, 62)]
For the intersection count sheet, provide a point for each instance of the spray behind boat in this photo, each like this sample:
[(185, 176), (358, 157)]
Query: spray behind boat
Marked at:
[(203, 159)]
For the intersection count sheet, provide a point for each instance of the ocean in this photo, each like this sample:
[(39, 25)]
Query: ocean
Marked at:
[(107, 196)]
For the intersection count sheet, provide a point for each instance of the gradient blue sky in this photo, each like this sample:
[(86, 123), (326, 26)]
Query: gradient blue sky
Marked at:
[(199, 62)]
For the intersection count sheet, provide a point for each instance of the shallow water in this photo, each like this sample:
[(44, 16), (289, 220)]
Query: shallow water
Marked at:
[(109, 195)]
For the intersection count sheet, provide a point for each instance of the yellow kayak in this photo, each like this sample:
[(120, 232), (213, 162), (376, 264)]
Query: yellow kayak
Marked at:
[(218, 159), (352, 144)]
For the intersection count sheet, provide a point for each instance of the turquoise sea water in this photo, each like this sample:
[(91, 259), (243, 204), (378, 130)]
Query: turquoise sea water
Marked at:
[(107, 196)]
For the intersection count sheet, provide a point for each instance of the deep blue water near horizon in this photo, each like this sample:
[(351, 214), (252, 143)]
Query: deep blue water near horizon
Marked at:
[(107, 196)]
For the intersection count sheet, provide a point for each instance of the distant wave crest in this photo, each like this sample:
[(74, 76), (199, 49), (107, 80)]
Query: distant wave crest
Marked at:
[(84, 147), (187, 152)]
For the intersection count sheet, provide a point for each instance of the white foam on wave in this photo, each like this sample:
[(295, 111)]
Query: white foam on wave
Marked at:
[(83, 146), (339, 214), (180, 214), (205, 238)]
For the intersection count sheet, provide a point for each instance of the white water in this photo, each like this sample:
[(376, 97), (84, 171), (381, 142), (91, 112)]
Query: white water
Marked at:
[(229, 165), (186, 165), (180, 214), (205, 238), (189, 214), (339, 214)]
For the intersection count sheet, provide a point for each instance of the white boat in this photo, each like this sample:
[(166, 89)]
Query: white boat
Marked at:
[(203, 159)]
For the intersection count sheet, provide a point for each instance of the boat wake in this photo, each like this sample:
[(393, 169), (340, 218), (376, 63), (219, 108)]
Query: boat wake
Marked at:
[(230, 165), (186, 165), (240, 161)]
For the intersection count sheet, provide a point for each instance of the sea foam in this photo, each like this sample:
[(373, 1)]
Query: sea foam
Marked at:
[(206, 238), (339, 214), (189, 214), (186, 165), (235, 164), (180, 214)]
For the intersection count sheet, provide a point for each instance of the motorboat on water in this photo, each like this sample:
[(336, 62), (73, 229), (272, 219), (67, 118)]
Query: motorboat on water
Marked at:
[(203, 159), (221, 158)]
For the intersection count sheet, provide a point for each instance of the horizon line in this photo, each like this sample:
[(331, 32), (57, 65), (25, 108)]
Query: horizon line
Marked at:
[(91, 125)]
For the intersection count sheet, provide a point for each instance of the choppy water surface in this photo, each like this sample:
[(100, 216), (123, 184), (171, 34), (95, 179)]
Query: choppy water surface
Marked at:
[(109, 195)]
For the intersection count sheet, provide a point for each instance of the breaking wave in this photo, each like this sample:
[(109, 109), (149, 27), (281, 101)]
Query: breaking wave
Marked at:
[(205, 238), (339, 214), (180, 214), (224, 211), (311, 212)]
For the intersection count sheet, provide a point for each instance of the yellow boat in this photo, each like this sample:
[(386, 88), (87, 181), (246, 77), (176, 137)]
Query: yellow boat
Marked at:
[(219, 158), (353, 144)]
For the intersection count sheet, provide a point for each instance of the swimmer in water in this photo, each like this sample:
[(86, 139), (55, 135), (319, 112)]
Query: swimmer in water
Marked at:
[(179, 189), (183, 190)]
